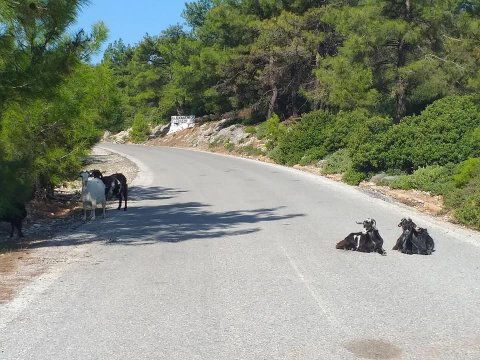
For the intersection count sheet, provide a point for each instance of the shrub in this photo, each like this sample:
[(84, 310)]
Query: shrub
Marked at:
[(312, 156), (443, 133), (354, 177), (366, 147), (466, 171), (435, 179), (343, 130), (140, 129), (469, 212), (309, 133), (250, 150), (250, 130), (229, 146), (337, 163), (274, 131)]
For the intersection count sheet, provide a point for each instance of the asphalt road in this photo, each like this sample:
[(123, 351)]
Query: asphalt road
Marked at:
[(224, 258)]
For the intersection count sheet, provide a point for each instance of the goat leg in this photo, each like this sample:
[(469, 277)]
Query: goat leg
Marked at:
[(84, 211), (125, 194), (94, 207)]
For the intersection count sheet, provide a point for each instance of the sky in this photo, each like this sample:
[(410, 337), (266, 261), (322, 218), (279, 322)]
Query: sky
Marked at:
[(130, 20)]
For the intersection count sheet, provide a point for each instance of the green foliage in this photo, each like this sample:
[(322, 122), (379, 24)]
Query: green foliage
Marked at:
[(229, 146), (140, 129), (469, 212), (348, 85), (312, 156), (274, 131), (338, 162), (466, 171), (250, 150), (365, 147), (354, 177), (464, 196), (441, 134), (52, 105), (307, 134), (435, 179)]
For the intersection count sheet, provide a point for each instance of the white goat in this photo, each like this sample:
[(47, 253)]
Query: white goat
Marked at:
[(93, 192)]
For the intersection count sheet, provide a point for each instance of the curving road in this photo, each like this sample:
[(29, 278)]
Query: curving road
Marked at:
[(225, 258)]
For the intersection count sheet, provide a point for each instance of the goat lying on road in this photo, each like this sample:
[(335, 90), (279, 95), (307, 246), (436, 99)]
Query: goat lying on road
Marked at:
[(368, 240), (15, 218), (115, 185), (93, 192), (414, 239)]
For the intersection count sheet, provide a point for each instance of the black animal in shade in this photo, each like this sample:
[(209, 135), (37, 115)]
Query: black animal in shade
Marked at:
[(15, 217)]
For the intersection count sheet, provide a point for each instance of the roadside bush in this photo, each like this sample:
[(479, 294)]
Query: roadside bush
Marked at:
[(366, 147), (140, 129), (466, 171), (464, 196), (229, 146), (337, 163), (354, 177), (273, 131), (435, 179), (308, 134), (344, 128), (312, 156), (250, 150), (443, 133), (469, 212)]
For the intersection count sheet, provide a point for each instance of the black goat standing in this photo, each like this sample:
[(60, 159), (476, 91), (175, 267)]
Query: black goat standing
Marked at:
[(115, 186), (414, 239), (15, 218), (368, 240)]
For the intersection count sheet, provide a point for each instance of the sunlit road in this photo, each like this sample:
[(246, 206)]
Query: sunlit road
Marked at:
[(224, 258)]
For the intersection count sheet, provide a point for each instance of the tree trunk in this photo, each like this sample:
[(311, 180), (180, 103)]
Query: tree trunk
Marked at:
[(400, 101), (273, 87), (273, 101), (294, 103), (401, 84)]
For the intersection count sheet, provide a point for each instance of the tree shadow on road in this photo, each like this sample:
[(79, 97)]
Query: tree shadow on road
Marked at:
[(144, 224)]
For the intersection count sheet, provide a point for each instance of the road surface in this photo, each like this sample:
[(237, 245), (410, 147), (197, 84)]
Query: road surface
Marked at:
[(225, 258)]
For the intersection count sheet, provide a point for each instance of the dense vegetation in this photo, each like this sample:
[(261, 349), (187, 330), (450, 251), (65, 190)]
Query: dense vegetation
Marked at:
[(366, 85), (52, 103)]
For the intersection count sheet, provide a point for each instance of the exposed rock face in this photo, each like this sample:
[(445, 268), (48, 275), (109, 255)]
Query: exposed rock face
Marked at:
[(208, 134), (234, 134), (159, 130), (120, 138)]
